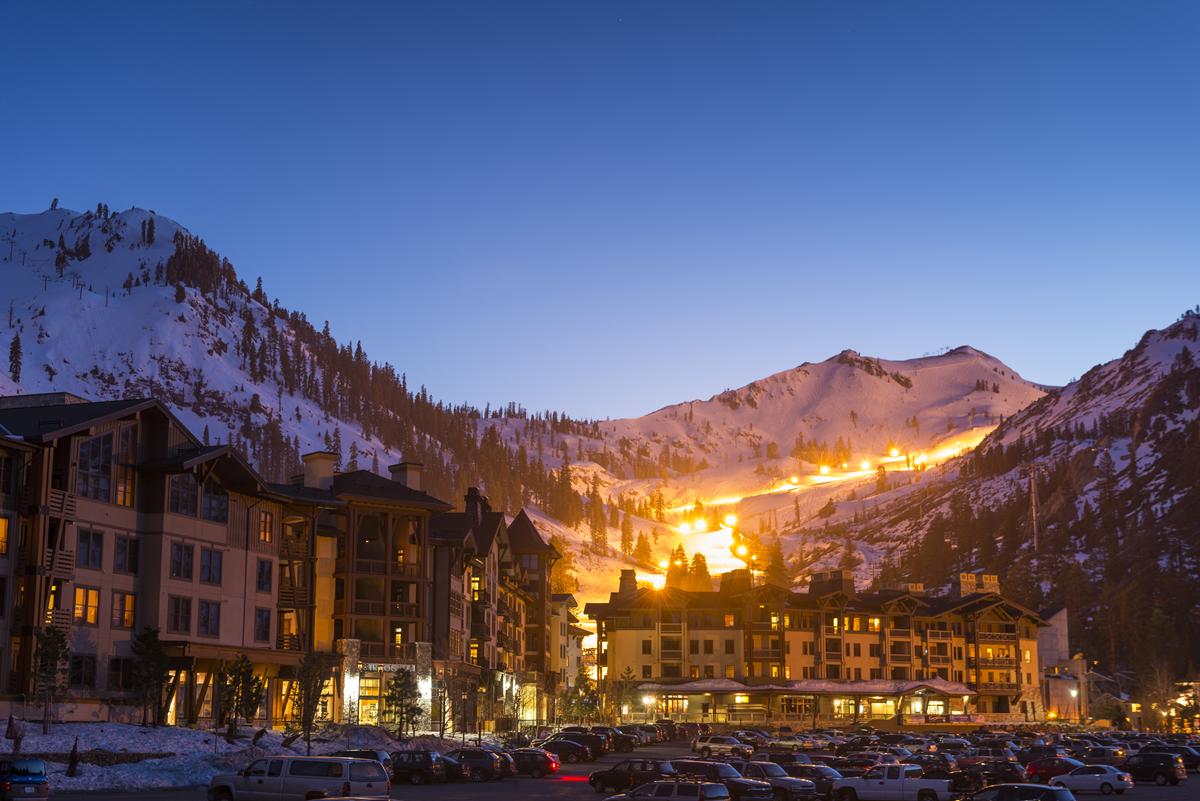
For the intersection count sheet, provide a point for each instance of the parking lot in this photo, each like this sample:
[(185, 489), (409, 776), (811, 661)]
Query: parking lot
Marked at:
[(569, 783)]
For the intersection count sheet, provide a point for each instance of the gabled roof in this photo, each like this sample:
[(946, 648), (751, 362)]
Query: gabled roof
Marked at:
[(302, 494), (365, 484), (524, 537), (45, 423)]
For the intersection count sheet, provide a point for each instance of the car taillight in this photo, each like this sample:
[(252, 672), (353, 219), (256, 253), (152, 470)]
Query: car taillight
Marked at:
[(345, 788), (5, 786)]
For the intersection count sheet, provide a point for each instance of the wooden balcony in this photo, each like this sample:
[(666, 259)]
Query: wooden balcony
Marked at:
[(939, 634), (670, 628), (899, 634), (940, 660), (831, 631), (899, 658), (1007, 662), (59, 618), (997, 636), (763, 625), (362, 607), (61, 504), (59, 564), (400, 609), (406, 569), (287, 642), (670, 654), (375, 650), (832, 656), (1000, 686), (766, 653)]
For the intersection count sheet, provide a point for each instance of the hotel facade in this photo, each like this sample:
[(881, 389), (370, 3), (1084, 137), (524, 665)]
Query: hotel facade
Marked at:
[(759, 653)]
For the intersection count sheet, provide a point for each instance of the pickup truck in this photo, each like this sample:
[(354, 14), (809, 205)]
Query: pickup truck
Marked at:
[(893, 783)]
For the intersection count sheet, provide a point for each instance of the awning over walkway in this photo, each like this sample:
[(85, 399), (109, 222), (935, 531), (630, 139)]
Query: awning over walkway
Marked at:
[(817, 687)]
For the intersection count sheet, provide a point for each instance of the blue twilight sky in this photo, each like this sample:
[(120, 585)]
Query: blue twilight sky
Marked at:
[(606, 207)]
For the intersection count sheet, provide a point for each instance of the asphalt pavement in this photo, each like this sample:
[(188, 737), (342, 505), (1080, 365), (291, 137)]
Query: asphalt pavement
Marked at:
[(569, 784)]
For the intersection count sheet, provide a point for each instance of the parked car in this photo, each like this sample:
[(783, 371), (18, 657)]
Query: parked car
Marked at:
[(822, 776), (644, 737), (596, 744), (23, 778), (1040, 771), (998, 773), (478, 764), (1022, 792), (302, 778), (630, 773), (670, 726), (382, 757), (786, 787), (1103, 779), (740, 788), (1158, 768), (1102, 755), (851, 766), (1035, 752), (618, 740), (534, 762), (418, 767), (1190, 756), (720, 745), (783, 757), (567, 750), (508, 767), (674, 788), (893, 783)]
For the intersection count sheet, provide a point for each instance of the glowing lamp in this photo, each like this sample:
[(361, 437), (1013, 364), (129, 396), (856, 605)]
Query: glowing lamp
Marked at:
[(664, 564), (823, 469), (647, 700), (700, 526), (741, 550), (685, 528), (894, 452), (731, 520), (866, 464)]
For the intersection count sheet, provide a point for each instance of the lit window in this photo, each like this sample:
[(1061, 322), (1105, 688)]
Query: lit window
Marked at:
[(3, 536), (122, 609), (266, 526), (873, 624), (741, 699), (729, 621), (87, 606)]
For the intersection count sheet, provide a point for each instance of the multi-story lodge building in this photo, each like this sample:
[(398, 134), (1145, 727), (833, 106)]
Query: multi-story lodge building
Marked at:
[(760, 652), (114, 517)]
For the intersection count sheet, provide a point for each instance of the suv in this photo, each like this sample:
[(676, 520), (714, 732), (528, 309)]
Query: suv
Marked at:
[(1158, 768), (1190, 756), (618, 740), (630, 773), (302, 778), (786, 787), (382, 757), (740, 788), (23, 778), (710, 744), (418, 767), (680, 789), (534, 762), (478, 764)]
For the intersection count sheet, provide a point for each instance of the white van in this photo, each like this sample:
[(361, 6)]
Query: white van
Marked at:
[(291, 778)]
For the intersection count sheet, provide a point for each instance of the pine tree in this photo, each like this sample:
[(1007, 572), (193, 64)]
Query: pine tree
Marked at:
[(677, 570), (150, 231), (149, 671), (626, 535), (50, 668), (242, 693), (641, 551), (402, 701), (314, 670), (777, 571), (14, 358), (698, 578)]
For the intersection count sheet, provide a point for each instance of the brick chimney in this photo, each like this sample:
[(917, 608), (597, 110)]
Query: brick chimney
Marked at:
[(318, 469), (407, 473)]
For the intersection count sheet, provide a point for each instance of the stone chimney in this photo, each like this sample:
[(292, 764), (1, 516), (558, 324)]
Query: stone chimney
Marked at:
[(318, 469), (475, 504), (628, 582), (736, 581), (408, 474)]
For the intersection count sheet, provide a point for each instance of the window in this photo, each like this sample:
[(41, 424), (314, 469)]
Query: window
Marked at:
[(266, 526), (215, 505), (874, 650), (314, 767), (645, 671), (708, 646), (645, 646), (873, 624), (93, 477), (729, 621), (87, 606), (262, 578), (729, 646), (82, 671), (125, 554), (125, 461), (123, 604), (120, 674), (179, 615), (210, 566), (4, 534), (694, 671), (693, 646), (729, 671), (181, 560), (3, 595), (90, 551), (208, 624), (183, 494), (262, 625), (710, 671)]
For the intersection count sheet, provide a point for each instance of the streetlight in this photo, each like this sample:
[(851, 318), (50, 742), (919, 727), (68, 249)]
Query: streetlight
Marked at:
[(647, 701), (1075, 702)]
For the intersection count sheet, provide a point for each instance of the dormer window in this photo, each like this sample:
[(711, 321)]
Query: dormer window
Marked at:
[(105, 468)]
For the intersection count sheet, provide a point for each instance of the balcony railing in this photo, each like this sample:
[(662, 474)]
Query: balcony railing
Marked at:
[(480, 630), (670, 628), (899, 634), (406, 569), (997, 636), (376, 567), (996, 662), (61, 504), (939, 634), (406, 651), (1006, 686), (59, 618), (763, 625), (766, 653), (287, 642), (832, 656), (831, 631), (373, 649), (900, 658), (940, 660), (400, 609), (59, 564), (670, 653), (480, 598), (362, 607)]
